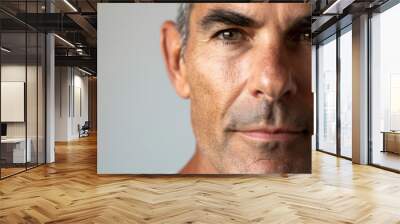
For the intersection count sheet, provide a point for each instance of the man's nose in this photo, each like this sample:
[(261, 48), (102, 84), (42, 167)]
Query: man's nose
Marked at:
[(271, 72)]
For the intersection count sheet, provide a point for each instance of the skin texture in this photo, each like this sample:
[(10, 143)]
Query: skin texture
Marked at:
[(249, 84)]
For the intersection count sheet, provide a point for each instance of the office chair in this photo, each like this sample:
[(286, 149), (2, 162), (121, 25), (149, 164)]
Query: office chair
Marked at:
[(84, 130)]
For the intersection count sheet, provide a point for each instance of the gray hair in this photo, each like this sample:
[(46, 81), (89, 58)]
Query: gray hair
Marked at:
[(182, 22)]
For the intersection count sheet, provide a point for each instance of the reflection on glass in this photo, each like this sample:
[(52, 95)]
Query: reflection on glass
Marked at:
[(41, 98), (385, 87), (327, 96), (346, 94), (31, 101), (22, 91), (31, 87)]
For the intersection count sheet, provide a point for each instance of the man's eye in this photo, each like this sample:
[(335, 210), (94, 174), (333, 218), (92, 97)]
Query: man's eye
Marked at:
[(306, 36), (230, 35), (300, 36)]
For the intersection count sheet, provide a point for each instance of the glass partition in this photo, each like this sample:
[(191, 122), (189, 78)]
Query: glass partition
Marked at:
[(22, 78), (13, 109), (41, 107), (32, 95)]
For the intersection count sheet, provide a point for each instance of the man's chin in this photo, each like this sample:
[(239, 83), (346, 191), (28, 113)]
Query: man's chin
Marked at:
[(267, 166), (275, 156)]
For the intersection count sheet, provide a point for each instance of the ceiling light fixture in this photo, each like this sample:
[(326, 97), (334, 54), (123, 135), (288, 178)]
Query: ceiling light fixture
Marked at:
[(84, 71), (70, 5), (337, 7), (5, 50), (65, 41), (79, 51)]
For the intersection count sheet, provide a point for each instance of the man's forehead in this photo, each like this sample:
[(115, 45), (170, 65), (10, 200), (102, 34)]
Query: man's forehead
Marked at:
[(262, 12)]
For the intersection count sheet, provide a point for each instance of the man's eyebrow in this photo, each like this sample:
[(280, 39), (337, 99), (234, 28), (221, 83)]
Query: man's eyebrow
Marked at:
[(227, 17), (301, 22)]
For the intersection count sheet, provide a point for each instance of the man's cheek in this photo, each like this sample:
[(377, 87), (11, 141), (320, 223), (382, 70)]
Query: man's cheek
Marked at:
[(204, 103)]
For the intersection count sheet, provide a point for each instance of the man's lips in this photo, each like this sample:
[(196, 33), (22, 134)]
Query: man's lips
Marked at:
[(272, 134)]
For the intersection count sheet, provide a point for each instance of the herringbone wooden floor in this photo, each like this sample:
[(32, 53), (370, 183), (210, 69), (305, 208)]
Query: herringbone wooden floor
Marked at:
[(70, 191)]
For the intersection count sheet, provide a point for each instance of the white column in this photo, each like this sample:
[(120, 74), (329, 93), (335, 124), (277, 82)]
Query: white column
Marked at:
[(50, 92), (360, 90), (50, 100)]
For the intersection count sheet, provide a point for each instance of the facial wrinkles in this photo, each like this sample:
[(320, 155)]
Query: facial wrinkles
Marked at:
[(242, 112), (237, 160), (219, 104), (246, 110), (242, 115), (218, 83), (207, 98)]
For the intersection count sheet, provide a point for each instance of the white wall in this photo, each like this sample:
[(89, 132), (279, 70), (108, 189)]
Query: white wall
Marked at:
[(80, 82), (17, 72), (143, 127), (67, 80), (13, 101), (62, 80), (12, 73)]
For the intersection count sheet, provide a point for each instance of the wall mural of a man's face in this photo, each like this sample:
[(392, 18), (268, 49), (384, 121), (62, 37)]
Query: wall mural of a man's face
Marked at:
[(246, 69)]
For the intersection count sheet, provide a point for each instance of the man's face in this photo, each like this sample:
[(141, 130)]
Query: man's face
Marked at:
[(248, 67)]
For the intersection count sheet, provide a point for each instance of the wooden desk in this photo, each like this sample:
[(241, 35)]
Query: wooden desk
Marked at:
[(391, 141)]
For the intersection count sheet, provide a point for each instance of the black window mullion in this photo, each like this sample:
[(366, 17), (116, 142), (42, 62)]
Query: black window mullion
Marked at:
[(316, 97), (0, 96), (26, 86), (369, 91), (37, 90), (338, 91)]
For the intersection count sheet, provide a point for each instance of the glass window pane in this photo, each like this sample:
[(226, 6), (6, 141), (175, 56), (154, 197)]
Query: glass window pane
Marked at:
[(327, 96), (346, 94), (385, 87)]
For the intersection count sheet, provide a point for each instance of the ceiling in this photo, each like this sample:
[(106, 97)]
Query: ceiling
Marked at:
[(76, 22)]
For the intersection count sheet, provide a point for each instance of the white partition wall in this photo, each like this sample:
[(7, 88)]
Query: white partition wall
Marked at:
[(71, 102)]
